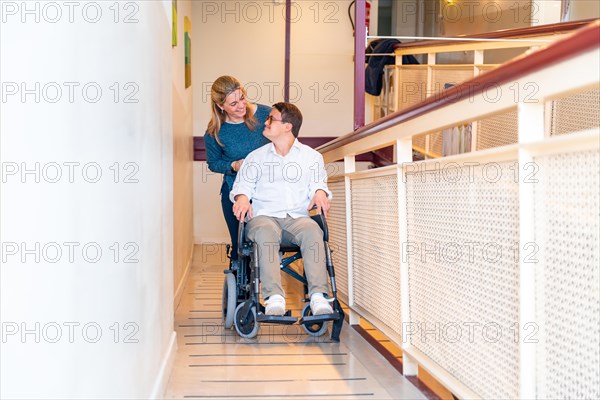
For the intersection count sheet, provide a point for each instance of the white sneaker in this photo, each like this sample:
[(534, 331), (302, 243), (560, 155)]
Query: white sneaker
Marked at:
[(275, 305), (319, 305)]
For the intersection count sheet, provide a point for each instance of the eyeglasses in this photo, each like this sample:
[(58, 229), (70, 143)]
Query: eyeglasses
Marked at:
[(270, 119)]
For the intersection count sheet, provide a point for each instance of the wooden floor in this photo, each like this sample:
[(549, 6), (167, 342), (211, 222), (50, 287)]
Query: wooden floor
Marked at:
[(281, 362)]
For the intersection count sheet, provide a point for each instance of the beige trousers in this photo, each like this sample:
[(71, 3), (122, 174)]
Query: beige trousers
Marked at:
[(269, 232)]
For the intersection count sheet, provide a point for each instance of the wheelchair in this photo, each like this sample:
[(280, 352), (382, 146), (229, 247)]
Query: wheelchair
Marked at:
[(241, 291)]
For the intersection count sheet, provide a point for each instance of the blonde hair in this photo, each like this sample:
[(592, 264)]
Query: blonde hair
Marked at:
[(220, 89)]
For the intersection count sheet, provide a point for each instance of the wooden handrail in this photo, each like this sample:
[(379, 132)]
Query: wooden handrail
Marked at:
[(540, 30), (586, 39)]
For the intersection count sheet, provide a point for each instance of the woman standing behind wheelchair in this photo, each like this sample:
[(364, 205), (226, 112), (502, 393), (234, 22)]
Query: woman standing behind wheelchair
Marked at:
[(235, 129)]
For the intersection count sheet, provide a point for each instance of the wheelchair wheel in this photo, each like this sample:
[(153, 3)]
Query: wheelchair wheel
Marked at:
[(250, 328), (229, 296), (316, 328)]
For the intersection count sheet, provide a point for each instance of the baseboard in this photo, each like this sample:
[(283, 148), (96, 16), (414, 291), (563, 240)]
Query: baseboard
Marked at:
[(164, 373), (183, 280)]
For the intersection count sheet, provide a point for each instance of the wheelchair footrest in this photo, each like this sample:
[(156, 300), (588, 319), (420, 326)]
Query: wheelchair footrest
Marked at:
[(311, 319), (276, 319)]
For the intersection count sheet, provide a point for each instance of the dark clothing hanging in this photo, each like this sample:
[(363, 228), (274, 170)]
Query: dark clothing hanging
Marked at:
[(376, 64)]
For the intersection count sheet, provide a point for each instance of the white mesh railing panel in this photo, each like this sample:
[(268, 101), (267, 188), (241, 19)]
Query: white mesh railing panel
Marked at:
[(413, 86), (498, 130), (567, 275), (454, 76), (575, 113), (463, 233), (336, 222), (376, 249)]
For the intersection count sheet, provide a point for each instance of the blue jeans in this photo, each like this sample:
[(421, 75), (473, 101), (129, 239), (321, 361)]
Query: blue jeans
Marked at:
[(230, 219)]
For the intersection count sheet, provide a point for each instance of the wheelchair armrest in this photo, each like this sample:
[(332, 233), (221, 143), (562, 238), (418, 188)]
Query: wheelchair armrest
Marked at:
[(240, 237), (322, 221)]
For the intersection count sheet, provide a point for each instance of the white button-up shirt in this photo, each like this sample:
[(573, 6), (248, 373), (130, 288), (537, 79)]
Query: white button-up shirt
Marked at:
[(280, 185)]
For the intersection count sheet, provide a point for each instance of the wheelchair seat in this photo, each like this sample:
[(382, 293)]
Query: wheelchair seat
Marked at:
[(241, 290)]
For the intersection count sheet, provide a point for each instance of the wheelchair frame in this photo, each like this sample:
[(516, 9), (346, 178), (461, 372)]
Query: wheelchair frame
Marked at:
[(241, 291)]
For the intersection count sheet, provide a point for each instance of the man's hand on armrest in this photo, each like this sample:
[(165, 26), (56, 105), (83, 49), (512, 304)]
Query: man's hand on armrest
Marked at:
[(241, 207), (321, 201)]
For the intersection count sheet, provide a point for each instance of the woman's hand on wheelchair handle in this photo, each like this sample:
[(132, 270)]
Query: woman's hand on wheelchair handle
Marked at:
[(242, 207), (320, 201)]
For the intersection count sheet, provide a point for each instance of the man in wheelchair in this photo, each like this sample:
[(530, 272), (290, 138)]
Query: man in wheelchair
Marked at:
[(284, 180)]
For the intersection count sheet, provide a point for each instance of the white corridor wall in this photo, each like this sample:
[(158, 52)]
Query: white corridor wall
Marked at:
[(86, 199)]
